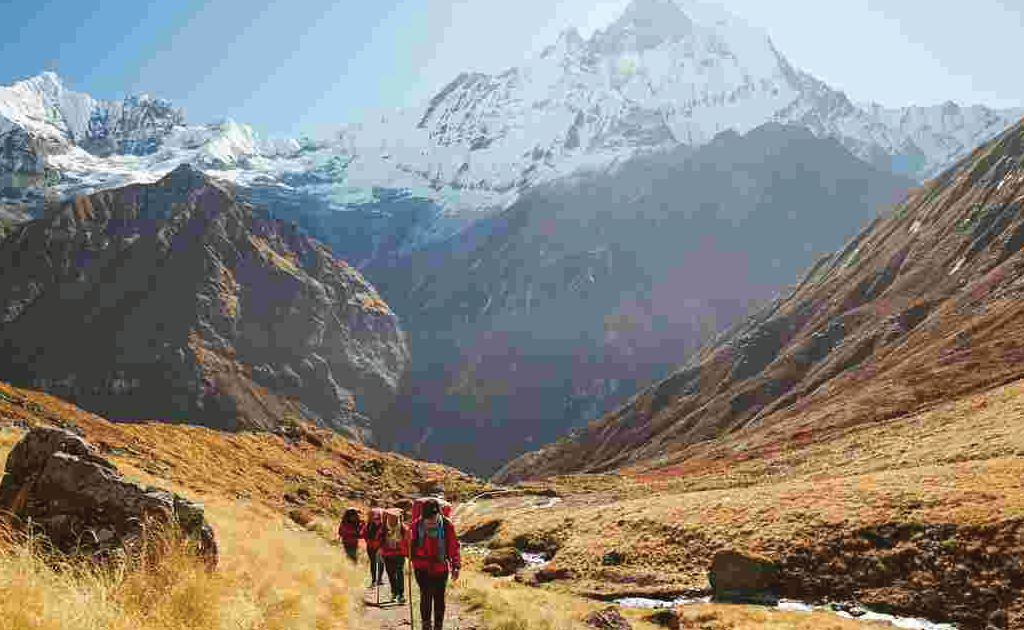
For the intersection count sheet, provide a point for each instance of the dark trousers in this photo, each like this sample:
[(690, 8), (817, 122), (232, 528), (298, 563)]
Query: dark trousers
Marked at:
[(351, 550), (376, 570), (432, 589), (395, 566)]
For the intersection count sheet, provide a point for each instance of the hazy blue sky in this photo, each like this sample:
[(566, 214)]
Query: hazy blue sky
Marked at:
[(306, 66)]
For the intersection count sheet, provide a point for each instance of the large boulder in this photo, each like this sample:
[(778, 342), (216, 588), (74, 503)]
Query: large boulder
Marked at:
[(743, 578), (509, 560), (544, 575), (480, 532), (58, 482)]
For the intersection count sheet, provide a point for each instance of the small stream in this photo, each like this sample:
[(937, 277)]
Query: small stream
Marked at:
[(856, 612), (535, 560)]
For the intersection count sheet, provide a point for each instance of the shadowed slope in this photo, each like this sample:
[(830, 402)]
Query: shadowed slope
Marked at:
[(177, 301), (921, 307), (559, 309)]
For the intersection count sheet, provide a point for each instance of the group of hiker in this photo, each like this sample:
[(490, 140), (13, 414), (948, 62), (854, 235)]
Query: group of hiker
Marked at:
[(429, 541)]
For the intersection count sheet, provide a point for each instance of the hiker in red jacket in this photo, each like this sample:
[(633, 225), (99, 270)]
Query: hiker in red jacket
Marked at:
[(434, 548), (394, 547), (350, 531), (371, 534)]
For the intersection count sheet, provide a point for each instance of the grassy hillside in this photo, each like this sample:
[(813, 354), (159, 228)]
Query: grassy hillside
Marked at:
[(919, 513), (320, 468), (273, 574)]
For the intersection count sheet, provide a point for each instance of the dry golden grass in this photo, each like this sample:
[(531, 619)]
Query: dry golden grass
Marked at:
[(273, 574), (724, 617), (271, 577), (247, 465), (506, 605), (821, 495)]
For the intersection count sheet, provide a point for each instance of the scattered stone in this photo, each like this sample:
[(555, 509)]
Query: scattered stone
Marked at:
[(742, 578), (494, 569), (607, 619), (510, 560), (666, 618), (850, 608), (548, 574), (59, 483), (536, 577), (301, 517), (292, 498), (480, 532)]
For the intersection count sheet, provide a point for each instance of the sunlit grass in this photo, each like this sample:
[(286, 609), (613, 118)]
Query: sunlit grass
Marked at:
[(271, 577)]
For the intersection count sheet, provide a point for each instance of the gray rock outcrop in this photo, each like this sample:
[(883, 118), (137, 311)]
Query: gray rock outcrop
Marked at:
[(59, 483)]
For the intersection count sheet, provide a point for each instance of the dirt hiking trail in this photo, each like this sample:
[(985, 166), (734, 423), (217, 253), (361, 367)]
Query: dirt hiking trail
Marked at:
[(392, 616)]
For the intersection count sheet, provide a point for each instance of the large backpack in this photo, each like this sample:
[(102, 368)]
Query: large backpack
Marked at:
[(417, 507), (449, 530)]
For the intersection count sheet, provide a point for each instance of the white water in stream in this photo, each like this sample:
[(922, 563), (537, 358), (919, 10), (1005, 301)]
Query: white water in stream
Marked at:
[(899, 622)]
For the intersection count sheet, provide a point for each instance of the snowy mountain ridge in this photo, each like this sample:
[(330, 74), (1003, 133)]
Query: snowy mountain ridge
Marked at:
[(70, 123), (667, 72)]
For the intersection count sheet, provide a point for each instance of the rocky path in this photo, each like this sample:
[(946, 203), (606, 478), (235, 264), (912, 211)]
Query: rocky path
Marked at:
[(391, 616)]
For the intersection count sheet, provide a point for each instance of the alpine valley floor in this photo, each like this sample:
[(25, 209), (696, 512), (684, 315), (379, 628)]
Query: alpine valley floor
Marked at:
[(274, 573), (922, 516), (873, 514)]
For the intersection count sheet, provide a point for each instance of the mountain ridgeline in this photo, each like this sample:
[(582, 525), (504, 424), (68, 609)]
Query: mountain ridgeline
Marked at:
[(554, 238), (921, 307), (664, 74), (562, 307), (176, 301)]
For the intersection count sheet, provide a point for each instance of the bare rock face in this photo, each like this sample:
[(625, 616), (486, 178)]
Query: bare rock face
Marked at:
[(58, 481), (22, 152), (191, 305)]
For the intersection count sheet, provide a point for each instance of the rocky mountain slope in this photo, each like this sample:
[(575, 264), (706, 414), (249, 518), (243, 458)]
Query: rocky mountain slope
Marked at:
[(919, 308), (176, 301), (559, 309), (666, 73)]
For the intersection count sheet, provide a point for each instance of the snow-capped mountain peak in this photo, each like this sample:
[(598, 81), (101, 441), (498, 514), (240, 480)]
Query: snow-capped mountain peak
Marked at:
[(645, 24), (665, 73), (43, 105)]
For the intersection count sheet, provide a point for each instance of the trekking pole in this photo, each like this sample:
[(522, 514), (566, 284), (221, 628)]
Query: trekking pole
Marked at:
[(412, 618), (376, 578)]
